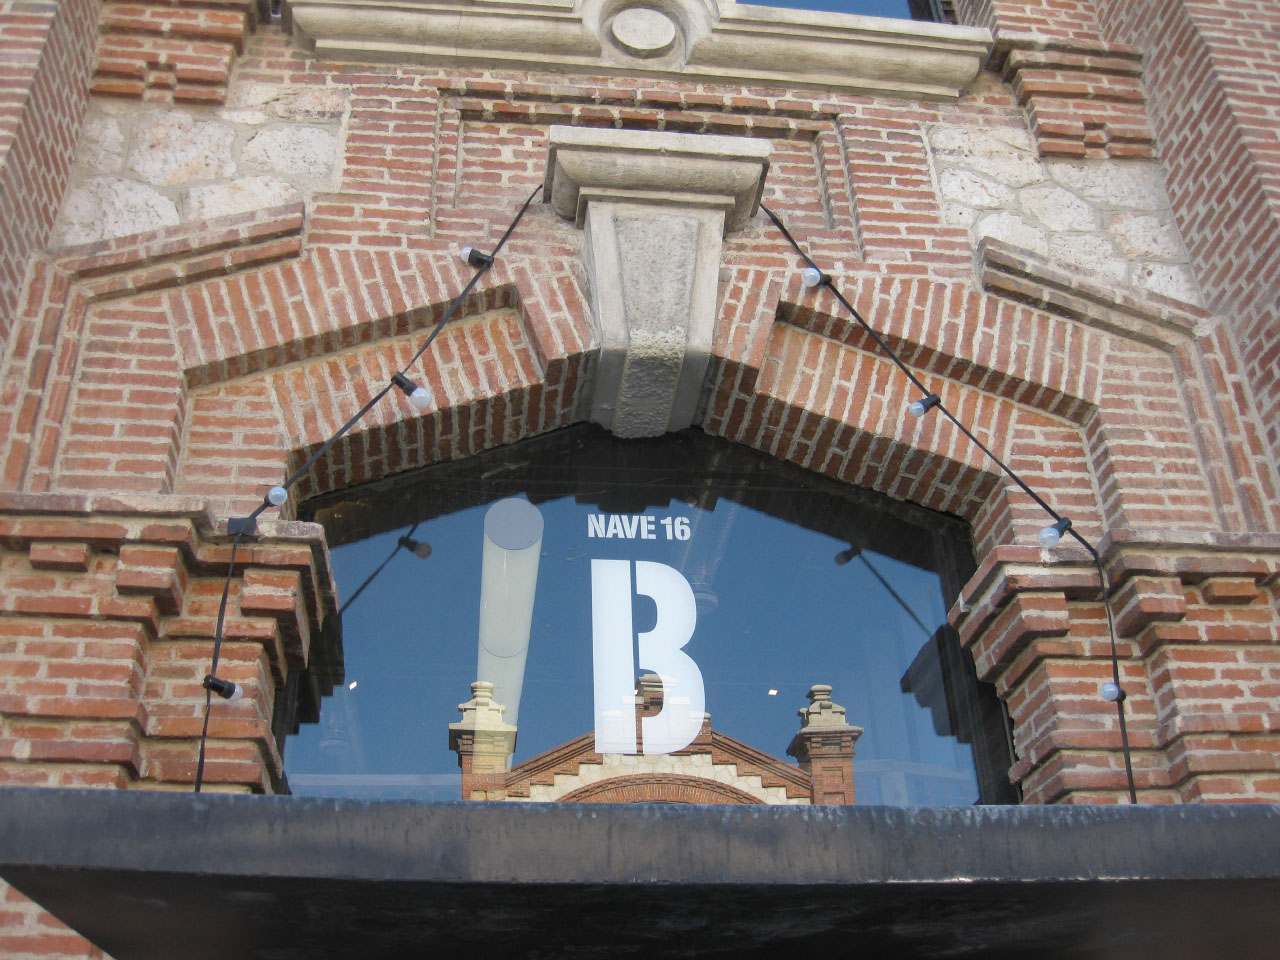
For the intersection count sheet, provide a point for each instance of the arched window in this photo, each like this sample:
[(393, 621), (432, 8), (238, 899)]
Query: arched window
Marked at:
[(668, 578)]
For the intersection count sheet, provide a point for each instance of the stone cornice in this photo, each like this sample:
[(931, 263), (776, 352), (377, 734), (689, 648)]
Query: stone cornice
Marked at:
[(670, 169), (722, 42)]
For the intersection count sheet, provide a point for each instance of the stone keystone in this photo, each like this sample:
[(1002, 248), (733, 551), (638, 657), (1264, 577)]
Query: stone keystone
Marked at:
[(655, 208)]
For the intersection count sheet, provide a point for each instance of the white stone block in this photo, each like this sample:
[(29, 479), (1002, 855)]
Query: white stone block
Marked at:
[(979, 141), (255, 104), (172, 148), (1170, 279), (1131, 186), (237, 196), (973, 190), (1004, 155), (958, 215), (101, 144), (1013, 229), (1144, 237), (296, 151), (106, 207), (1092, 256), (1058, 209)]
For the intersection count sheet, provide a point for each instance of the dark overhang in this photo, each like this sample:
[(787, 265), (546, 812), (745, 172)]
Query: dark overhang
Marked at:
[(163, 875)]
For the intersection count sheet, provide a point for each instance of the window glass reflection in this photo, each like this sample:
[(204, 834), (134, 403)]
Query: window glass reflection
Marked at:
[(897, 9), (783, 583)]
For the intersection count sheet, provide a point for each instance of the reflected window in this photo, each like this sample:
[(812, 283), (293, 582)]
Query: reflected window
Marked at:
[(578, 617)]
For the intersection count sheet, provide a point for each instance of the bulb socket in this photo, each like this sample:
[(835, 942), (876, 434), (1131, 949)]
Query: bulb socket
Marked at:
[(475, 258), (226, 689)]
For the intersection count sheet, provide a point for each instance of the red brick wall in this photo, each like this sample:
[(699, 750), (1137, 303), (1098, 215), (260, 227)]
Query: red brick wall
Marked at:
[(43, 93), (1215, 102), (27, 932), (1065, 19), (211, 359)]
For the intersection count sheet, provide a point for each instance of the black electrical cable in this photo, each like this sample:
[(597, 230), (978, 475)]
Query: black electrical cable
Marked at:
[(217, 651), (243, 526), (400, 545), (1097, 561)]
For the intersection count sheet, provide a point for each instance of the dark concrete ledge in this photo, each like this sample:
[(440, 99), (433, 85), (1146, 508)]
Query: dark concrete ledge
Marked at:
[(164, 875)]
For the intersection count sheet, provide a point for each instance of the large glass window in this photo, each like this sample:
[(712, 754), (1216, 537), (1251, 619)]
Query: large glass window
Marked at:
[(778, 578)]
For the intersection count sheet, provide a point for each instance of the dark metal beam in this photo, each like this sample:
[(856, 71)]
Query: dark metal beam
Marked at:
[(148, 875)]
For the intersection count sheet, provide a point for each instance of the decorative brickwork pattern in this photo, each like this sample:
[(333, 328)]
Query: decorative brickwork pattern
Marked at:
[(1199, 663), (1083, 99), (107, 616), (171, 50), (713, 769)]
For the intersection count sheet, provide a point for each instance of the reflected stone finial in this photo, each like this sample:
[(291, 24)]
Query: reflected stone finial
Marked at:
[(822, 712), (482, 734), (823, 746)]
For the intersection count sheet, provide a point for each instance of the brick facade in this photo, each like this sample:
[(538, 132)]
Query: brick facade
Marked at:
[(156, 383)]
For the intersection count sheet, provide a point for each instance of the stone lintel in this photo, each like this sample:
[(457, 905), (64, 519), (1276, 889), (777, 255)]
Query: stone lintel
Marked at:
[(716, 41), (655, 208)]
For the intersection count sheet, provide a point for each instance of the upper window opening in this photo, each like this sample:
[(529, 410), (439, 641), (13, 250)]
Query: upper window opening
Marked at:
[(940, 11), (578, 617)]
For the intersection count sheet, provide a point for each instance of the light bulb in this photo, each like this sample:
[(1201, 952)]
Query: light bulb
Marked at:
[(1110, 692), (237, 692), (1052, 534), (277, 496), (811, 276), (420, 548), (465, 254), (918, 408)]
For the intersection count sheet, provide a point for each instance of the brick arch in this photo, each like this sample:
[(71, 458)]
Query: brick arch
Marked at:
[(841, 410), (511, 363), (659, 788), (315, 333)]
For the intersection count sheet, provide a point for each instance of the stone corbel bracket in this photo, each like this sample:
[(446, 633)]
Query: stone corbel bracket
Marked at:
[(709, 40), (655, 208)]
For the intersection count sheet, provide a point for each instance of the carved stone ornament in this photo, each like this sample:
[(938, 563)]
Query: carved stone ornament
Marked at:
[(655, 207), (710, 40)]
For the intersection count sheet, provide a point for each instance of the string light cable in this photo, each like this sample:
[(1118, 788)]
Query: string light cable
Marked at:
[(242, 527), (812, 276)]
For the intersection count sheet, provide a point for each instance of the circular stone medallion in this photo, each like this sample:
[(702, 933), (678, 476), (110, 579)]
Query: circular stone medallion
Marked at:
[(643, 32)]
